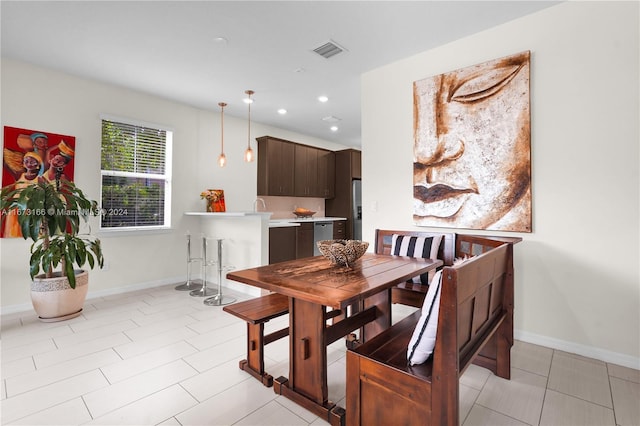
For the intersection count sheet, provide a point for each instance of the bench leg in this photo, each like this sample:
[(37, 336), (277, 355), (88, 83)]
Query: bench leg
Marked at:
[(254, 364)]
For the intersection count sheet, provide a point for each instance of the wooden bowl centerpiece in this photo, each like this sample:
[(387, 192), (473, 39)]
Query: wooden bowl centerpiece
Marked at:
[(342, 252), (303, 213)]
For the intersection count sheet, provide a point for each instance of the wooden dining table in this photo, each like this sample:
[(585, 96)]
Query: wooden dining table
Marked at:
[(318, 290)]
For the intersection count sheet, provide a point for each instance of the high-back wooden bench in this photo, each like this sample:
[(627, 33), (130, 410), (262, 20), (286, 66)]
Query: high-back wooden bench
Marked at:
[(475, 324)]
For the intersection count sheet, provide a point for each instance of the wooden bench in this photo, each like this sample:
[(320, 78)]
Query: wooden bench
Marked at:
[(475, 324), (256, 312)]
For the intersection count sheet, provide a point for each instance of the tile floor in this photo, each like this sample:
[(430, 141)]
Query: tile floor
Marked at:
[(161, 357)]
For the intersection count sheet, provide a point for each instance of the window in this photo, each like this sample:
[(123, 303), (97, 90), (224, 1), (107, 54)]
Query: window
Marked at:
[(136, 176)]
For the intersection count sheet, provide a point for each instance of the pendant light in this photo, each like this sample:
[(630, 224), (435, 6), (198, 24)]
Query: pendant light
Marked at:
[(222, 159), (248, 154)]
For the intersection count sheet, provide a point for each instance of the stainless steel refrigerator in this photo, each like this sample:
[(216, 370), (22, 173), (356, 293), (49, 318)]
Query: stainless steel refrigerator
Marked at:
[(357, 209)]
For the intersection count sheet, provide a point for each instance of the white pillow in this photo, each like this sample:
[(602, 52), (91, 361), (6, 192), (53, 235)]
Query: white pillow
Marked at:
[(424, 247), (423, 339)]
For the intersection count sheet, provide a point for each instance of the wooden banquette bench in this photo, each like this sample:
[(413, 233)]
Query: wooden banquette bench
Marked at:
[(475, 324)]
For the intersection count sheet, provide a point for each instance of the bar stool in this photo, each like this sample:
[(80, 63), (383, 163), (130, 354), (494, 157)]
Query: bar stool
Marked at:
[(189, 285), (204, 291), (219, 299)]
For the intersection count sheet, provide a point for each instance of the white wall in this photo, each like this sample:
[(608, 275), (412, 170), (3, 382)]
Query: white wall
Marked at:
[(42, 99), (577, 280)]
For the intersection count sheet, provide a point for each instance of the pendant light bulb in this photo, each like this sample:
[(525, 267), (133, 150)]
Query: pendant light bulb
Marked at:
[(248, 154), (222, 159)]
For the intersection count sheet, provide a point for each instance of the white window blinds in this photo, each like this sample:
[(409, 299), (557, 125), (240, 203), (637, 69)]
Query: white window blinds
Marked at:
[(135, 168)]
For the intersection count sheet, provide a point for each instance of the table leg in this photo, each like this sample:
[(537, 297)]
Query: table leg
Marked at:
[(307, 382), (382, 301)]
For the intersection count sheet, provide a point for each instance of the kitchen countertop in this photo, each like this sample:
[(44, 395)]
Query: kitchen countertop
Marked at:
[(279, 223)]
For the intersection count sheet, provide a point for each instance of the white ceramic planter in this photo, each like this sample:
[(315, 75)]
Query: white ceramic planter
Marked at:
[(54, 300)]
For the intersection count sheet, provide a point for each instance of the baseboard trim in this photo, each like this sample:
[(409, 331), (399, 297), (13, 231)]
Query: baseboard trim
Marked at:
[(576, 348), (91, 295)]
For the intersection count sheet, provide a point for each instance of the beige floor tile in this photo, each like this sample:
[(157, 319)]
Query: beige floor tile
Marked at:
[(46, 376), (130, 349), (481, 416), (211, 357), (566, 410), (468, 397), (106, 318), (624, 373), (49, 396), (218, 336), (93, 333), (626, 401), (102, 401), (230, 406), (65, 354), (26, 351), (272, 414), (520, 398), (72, 412), (475, 377), (151, 410), (581, 377), (123, 369), (30, 335), (532, 358), (159, 327), (216, 380), (15, 368)]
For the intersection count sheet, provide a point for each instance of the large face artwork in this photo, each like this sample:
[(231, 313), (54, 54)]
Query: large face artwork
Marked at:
[(472, 147)]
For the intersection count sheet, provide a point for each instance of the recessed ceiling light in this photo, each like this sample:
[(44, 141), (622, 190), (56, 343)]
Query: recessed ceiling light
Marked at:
[(282, 111), (331, 119), (299, 70), (334, 128), (220, 40), (323, 99)]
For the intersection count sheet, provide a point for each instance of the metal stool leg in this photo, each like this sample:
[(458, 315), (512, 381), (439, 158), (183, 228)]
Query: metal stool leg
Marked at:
[(189, 285), (204, 291), (219, 299)]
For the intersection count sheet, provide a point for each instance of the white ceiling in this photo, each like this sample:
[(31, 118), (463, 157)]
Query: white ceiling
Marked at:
[(168, 48)]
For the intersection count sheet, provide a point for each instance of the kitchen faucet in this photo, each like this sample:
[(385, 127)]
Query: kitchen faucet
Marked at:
[(255, 205)]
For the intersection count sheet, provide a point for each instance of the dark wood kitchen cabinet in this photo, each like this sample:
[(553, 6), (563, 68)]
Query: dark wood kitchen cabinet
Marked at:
[(340, 230), (287, 168), (306, 171), (326, 173), (282, 244), (276, 159), (304, 244)]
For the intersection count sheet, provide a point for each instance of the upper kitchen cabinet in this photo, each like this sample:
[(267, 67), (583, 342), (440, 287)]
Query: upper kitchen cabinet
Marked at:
[(276, 159), (306, 171), (326, 173), (289, 169)]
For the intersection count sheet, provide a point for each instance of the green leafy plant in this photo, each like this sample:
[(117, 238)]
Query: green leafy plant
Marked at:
[(50, 214)]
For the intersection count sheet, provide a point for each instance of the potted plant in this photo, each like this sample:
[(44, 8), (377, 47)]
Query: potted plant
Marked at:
[(50, 214)]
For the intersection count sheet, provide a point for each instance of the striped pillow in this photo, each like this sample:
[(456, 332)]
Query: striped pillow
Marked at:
[(425, 247)]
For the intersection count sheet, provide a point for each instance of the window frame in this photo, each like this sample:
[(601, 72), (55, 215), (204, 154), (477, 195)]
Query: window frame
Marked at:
[(167, 176)]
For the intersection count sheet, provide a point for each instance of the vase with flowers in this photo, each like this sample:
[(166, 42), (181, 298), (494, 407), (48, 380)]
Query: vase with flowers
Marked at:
[(214, 199)]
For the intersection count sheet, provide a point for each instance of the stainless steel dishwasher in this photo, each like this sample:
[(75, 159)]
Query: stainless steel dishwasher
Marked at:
[(321, 231)]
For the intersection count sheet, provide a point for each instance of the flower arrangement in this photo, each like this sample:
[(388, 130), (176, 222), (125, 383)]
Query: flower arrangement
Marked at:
[(215, 200), (211, 194)]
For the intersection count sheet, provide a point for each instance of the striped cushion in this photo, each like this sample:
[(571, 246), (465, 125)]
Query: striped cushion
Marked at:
[(425, 247)]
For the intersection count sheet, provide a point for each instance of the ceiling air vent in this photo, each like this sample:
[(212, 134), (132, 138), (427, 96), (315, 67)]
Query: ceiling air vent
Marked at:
[(328, 49)]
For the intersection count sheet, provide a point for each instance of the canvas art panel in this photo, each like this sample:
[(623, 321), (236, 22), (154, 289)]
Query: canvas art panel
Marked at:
[(29, 156), (472, 147)]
